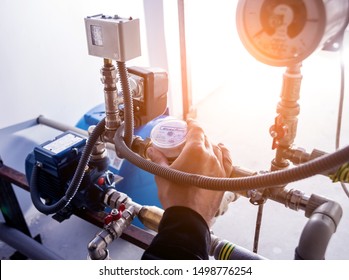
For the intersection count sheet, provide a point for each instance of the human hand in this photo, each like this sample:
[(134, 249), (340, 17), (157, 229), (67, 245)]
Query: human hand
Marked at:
[(199, 156)]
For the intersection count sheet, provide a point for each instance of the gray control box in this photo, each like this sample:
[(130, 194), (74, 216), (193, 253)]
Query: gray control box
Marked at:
[(113, 37)]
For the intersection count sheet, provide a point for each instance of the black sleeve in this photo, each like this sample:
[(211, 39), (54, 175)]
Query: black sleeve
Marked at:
[(183, 235)]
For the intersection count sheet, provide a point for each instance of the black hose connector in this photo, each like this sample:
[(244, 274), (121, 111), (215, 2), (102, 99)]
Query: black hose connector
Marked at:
[(274, 178), (76, 181), (226, 250), (128, 102)]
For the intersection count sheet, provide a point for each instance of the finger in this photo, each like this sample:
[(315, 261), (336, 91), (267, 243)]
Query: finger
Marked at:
[(218, 152), (220, 157), (195, 131), (196, 137), (225, 152), (226, 158), (157, 157)]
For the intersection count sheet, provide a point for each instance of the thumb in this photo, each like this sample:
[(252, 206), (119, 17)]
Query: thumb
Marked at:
[(157, 157)]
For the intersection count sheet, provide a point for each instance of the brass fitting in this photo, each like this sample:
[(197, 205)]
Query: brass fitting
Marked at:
[(150, 216), (140, 146)]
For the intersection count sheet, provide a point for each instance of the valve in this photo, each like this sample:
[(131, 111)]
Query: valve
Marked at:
[(278, 131), (115, 214), (115, 224)]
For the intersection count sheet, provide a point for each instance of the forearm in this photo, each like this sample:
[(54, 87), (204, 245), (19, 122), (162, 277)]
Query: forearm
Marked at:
[(183, 234)]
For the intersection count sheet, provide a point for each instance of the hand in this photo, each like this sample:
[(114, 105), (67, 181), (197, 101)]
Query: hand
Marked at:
[(199, 156)]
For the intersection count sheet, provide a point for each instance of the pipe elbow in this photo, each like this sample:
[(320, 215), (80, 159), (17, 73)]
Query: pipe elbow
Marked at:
[(318, 231), (97, 249)]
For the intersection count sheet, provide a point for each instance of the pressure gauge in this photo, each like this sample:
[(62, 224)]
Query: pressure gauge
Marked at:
[(169, 137), (285, 32)]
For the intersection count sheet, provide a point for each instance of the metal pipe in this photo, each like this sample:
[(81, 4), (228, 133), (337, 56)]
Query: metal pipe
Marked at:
[(109, 79), (285, 128), (26, 245), (188, 108), (60, 126), (64, 127)]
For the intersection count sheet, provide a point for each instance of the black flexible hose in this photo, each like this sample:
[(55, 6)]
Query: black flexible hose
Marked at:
[(128, 102), (275, 178), (76, 181)]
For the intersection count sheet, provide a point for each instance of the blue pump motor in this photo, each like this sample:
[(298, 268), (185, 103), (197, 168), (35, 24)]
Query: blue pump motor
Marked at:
[(136, 183), (59, 158)]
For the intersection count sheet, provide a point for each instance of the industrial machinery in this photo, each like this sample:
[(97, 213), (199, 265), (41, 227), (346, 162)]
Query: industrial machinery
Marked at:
[(98, 170)]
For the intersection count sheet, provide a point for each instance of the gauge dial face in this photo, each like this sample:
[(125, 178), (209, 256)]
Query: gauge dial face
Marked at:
[(169, 133), (281, 32)]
